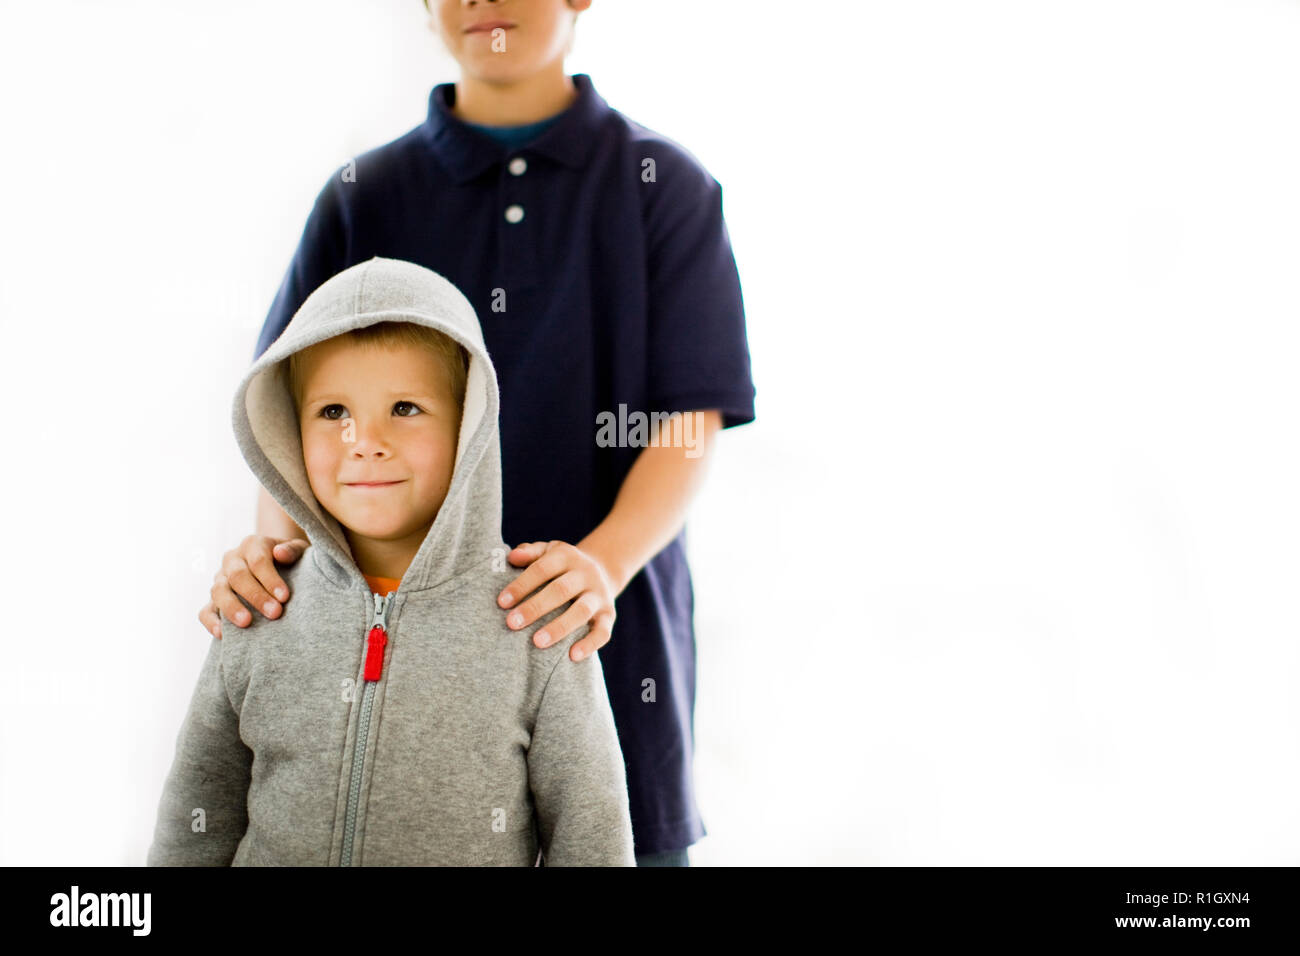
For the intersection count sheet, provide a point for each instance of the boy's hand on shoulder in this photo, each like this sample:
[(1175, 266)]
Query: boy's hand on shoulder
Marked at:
[(568, 573), (248, 571)]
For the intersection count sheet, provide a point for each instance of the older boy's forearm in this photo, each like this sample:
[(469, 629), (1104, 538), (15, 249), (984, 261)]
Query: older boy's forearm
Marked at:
[(272, 520), (651, 505)]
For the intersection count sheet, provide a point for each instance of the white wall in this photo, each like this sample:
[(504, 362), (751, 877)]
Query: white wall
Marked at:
[(1003, 573)]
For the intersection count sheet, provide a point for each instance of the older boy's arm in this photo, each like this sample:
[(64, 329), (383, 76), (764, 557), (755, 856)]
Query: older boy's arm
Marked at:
[(647, 514), (203, 813), (576, 771), (273, 521), (248, 570), (651, 504)]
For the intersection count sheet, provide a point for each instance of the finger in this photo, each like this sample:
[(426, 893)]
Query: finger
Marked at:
[(579, 614), (554, 562), (246, 580), (532, 550), (229, 604), (209, 619), (602, 627), (287, 552), (568, 585), (527, 552), (262, 563)]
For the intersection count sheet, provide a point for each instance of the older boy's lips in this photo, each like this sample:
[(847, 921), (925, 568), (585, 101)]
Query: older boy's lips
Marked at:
[(489, 25), (371, 484)]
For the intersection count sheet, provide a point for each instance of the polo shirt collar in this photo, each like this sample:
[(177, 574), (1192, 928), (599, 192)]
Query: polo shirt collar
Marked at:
[(466, 152)]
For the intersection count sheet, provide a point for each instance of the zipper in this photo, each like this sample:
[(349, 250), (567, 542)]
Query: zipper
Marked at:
[(376, 638)]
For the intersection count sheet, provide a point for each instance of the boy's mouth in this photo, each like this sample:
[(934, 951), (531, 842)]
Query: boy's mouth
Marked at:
[(371, 484), (487, 26)]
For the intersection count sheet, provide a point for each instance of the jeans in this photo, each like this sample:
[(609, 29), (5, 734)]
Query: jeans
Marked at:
[(667, 858)]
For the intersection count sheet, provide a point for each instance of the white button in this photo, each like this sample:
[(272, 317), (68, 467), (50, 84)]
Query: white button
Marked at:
[(518, 165), (514, 213)]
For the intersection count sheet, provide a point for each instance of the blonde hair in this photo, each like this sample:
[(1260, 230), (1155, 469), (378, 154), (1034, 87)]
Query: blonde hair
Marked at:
[(449, 354)]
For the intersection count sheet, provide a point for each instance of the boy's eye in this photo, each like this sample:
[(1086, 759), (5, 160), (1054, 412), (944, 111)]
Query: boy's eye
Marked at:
[(328, 411), (336, 412)]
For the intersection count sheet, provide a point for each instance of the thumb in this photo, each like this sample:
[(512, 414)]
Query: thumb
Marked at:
[(289, 551), (525, 552)]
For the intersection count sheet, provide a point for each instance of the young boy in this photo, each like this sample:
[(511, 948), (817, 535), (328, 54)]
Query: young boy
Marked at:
[(596, 254), (389, 717)]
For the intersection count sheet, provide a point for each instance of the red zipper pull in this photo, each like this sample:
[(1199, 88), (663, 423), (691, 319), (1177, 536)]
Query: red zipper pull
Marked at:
[(375, 653)]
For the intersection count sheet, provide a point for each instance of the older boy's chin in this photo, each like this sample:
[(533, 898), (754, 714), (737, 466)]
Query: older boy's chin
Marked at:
[(511, 66)]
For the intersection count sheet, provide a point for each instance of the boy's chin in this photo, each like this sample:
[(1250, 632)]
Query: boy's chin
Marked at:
[(377, 531), (377, 528)]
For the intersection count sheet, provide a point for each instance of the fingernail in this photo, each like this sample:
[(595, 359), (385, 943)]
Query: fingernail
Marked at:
[(506, 598), (516, 620), (282, 594), (542, 638), (269, 608), (578, 654), (241, 617), (218, 632)]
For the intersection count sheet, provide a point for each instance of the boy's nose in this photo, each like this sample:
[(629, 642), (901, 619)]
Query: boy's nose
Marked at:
[(368, 446), (366, 439)]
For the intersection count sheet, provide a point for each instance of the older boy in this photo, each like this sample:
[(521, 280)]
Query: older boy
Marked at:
[(597, 256)]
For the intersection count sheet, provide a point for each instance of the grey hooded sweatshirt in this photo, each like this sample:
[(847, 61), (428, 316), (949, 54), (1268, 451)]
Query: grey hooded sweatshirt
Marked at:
[(408, 729)]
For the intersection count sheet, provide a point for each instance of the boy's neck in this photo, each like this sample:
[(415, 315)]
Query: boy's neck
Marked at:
[(531, 100), (385, 559)]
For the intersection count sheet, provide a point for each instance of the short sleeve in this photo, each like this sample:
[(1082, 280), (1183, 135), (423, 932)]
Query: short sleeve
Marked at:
[(322, 253), (698, 344)]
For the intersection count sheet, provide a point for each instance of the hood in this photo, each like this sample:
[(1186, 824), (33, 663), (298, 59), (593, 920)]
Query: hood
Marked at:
[(468, 526)]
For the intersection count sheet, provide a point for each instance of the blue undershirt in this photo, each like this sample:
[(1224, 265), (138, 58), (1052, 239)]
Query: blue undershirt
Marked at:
[(514, 136)]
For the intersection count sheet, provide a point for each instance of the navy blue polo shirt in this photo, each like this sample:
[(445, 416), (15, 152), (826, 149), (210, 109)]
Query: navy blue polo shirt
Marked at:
[(597, 258)]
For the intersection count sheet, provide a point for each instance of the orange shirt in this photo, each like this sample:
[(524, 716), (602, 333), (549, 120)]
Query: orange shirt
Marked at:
[(382, 585)]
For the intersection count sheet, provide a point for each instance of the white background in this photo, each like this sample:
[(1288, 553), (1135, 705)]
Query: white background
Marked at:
[(1003, 573)]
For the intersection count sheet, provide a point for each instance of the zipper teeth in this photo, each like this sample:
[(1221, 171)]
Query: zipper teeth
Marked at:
[(380, 618), (354, 787)]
